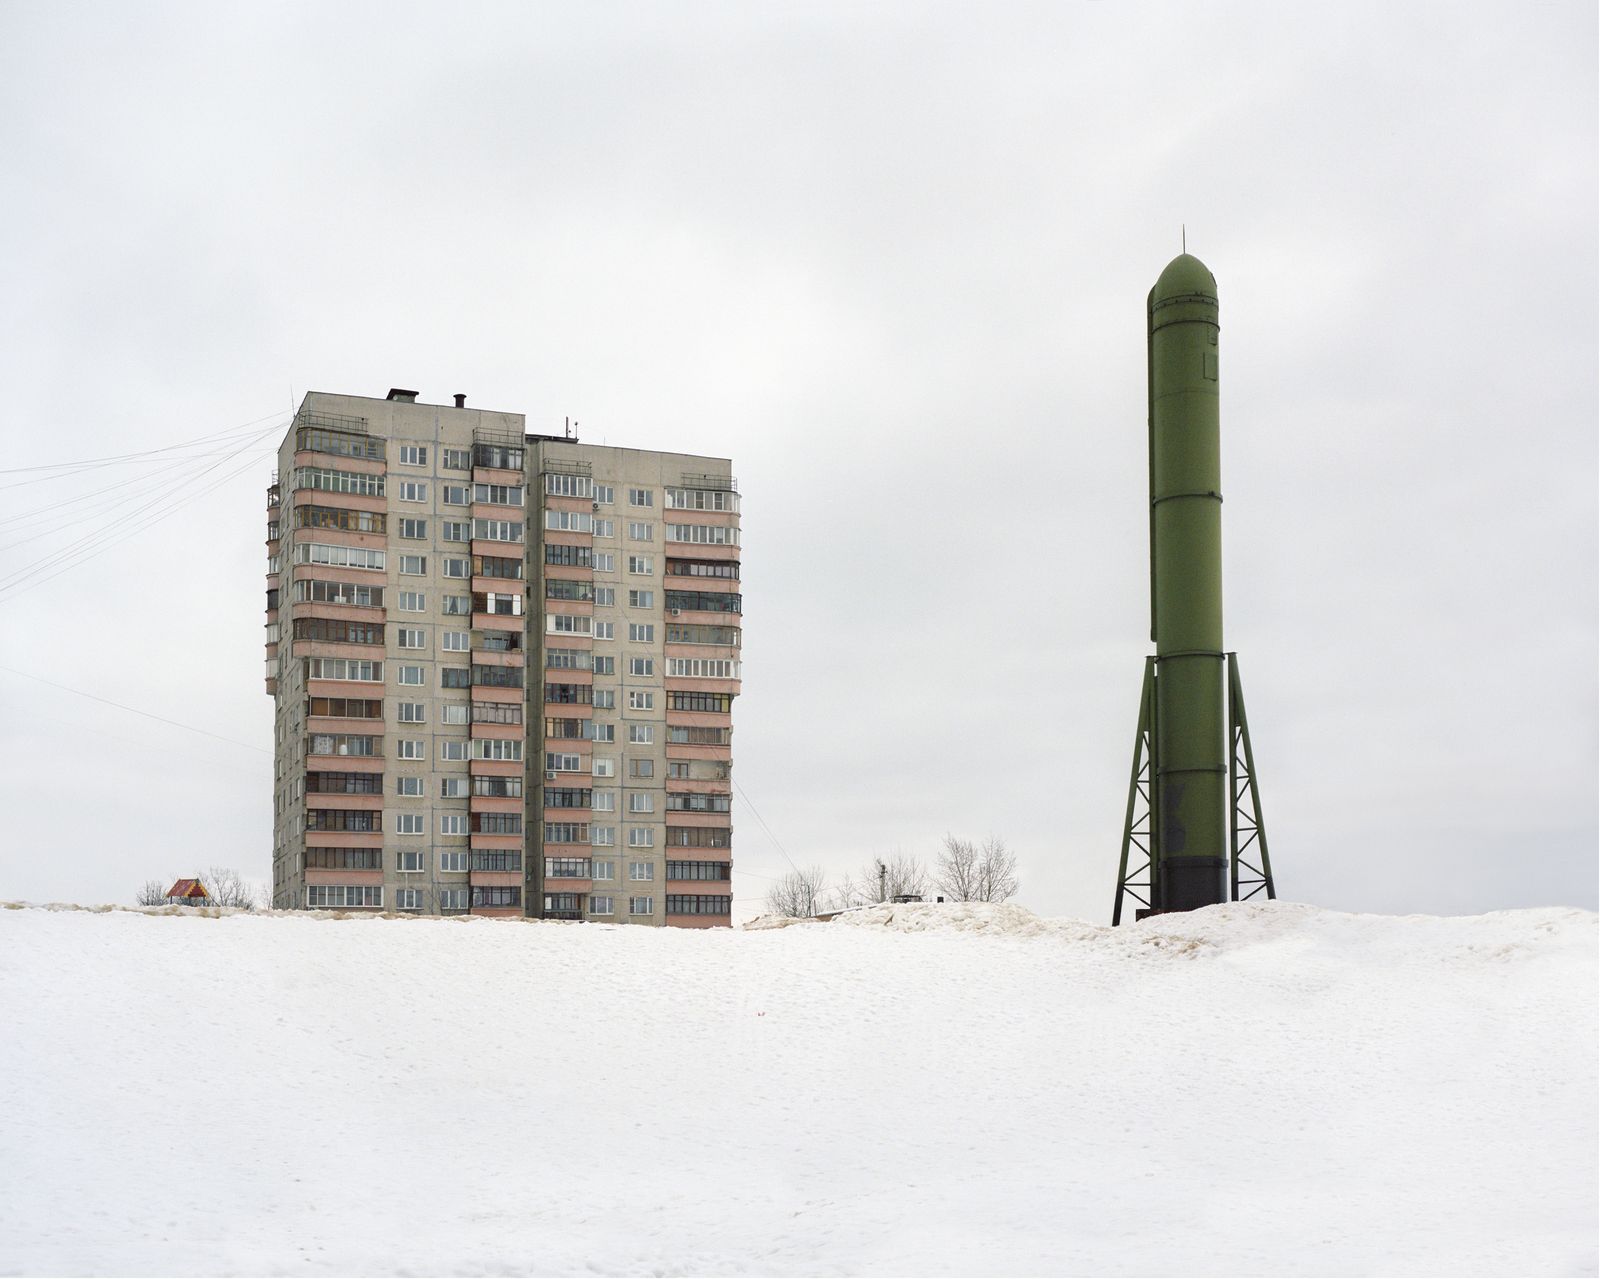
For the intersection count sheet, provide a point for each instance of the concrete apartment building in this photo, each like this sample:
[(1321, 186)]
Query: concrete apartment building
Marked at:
[(504, 668)]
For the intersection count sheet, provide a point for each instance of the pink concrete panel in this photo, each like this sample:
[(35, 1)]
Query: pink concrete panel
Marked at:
[(339, 536), (700, 719), (492, 693), (725, 519), (569, 572), (495, 804), (573, 608), (723, 651), (369, 689), (697, 550), (682, 684), (496, 878), (498, 732), (553, 885), (339, 612), (679, 750), (334, 573), (499, 843), (498, 912), (707, 786), (498, 621), (555, 502), (316, 875), (494, 768), (497, 475), (321, 799), (699, 921), (700, 819), (493, 657), (344, 839)]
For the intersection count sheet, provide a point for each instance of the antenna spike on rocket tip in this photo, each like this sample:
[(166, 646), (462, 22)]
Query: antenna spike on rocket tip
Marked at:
[(1183, 236)]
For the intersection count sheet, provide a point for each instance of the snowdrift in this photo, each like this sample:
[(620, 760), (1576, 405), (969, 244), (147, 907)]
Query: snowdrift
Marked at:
[(905, 1090)]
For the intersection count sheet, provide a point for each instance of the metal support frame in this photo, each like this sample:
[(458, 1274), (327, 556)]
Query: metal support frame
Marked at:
[(1247, 833)]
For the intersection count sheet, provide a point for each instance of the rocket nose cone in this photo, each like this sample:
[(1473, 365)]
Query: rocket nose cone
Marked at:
[(1185, 276)]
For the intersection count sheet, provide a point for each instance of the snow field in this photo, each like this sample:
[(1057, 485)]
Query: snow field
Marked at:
[(907, 1090)]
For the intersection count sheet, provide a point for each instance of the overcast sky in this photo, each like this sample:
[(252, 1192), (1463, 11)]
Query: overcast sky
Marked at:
[(892, 259)]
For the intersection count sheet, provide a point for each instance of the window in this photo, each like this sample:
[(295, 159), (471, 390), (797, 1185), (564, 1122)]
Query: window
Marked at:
[(502, 603), (453, 749), (455, 713), (640, 565), (337, 630), (453, 898), (641, 633), (569, 521), (705, 601), (344, 744), (497, 494), (338, 556), (602, 836), (452, 823), (413, 491), (604, 528), (604, 767), (504, 566), (678, 769), (641, 599), (408, 638), (456, 460), (596, 732), (457, 566), (641, 801), (319, 783), (411, 712), (558, 588), (605, 494), (642, 768), (638, 701), (678, 802), (698, 904), (345, 819), (641, 871), (559, 485), (411, 750), (641, 905), (345, 668), (498, 713), (409, 860), (604, 666), (345, 707), (498, 787), (455, 641), (605, 596), (455, 677), (413, 602), (343, 593), (576, 694), (605, 630), (457, 495), (497, 824), (605, 561), (566, 796), (641, 666), (640, 531), (605, 801), (645, 733), (699, 837), (410, 824), (495, 897), (568, 556), (641, 837), (568, 624), (560, 762), (497, 530), (343, 896), (699, 870), (414, 565), (457, 530), (728, 569), (695, 633), (410, 675), (605, 699), (331, 439), (702, 500), (344, 859), (494, 748), (458, 605), (503, 457), (413, 455), (331, 481), (601, 906), (451, 860), (566, 833), (333, 517), (641, 497), (452, 788), (568, 659), (703, 667), (408, 786), (603, 870), (703, 534), (718, 702)]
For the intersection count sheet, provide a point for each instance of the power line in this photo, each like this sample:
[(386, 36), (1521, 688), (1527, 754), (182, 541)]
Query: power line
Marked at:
[(764, 826), (96, 462), (134, 710)]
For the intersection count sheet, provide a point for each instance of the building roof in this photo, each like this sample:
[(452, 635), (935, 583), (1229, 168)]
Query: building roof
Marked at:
[(188, 888)]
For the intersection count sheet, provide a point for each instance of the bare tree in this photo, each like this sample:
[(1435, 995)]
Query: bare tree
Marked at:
[(227, 887), (885, 878), (152, 894), (798, 894), (969, 872)]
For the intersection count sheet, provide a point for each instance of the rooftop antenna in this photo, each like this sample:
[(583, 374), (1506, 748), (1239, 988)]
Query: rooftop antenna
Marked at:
[(1183, 231)]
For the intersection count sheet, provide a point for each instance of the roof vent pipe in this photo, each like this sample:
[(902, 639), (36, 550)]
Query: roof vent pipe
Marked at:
[(461, 400)]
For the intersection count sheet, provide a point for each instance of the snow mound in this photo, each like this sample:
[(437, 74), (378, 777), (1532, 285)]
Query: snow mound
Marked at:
[(909, 1089)]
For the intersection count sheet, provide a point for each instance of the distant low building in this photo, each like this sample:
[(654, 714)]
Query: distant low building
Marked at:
[(188, 892)]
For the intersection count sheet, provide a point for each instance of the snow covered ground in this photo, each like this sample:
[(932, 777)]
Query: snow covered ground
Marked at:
[(908, 1090)]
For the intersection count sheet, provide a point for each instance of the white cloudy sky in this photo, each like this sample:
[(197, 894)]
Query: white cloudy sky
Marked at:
[(892, 259)]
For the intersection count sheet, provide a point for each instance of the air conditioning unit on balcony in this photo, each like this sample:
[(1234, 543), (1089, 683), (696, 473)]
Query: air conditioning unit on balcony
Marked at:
[(549, 774), (677, 612), (595, 506)]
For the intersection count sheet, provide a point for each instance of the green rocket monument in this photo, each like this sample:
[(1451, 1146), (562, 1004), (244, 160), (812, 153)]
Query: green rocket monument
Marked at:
[(1194, 812)]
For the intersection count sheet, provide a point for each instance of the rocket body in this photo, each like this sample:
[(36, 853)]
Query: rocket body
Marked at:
[(1189, 799)]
